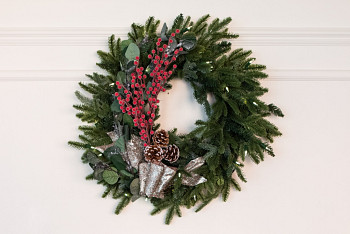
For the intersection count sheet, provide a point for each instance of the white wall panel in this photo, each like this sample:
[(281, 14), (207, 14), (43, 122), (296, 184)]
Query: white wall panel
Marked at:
[(47, 46)]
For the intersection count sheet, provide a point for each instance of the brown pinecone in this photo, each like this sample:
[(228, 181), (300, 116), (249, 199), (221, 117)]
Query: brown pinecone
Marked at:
[(171, 153), (153, 153), (161, 138)]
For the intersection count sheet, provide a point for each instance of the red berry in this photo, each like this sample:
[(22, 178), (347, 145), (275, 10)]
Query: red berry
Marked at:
[(135, 120), (116, 94), (125, 91), (152, 132), (148, 112), (159, 39), (119, 98), (177, 30), (132, 86), (173, 34), (145, 144), (150, 121), (166, 55), (173, 58), (153, 84), (165, 46), (153, 51), (117, 82), (176, 52), (174, 66), (153, 115), (181, 49), (148, 92), (158, 43), (158, 85), (135, 62), (137, 57), (149, 56), (161, 49), (171, 41), (135, 124), (170, 72), (142, 124), (145, 135), (123, 111)]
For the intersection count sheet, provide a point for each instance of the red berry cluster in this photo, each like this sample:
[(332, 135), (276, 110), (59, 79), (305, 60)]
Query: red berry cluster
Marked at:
[(132, 100)]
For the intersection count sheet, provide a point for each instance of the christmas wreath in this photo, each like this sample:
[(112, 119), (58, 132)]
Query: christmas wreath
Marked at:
[(124, 146)]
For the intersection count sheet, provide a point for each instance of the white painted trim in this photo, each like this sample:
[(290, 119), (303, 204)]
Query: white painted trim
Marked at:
[(78, 75), (249, 36)]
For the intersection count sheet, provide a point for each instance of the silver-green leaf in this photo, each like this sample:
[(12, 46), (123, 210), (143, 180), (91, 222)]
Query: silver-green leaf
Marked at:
[(132, 51), (110, 176)]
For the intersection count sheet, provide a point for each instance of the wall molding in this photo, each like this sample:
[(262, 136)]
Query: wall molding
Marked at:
[(249, 36), (78, 75)]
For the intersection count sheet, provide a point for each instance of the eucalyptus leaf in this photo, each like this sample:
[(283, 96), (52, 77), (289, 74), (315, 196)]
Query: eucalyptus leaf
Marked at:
[(132, 51), (115, 106), (121, 77), (124, 172), (127, 119), (135, 186), (110, 176), (124, 44), (163, 32), (120, 143), (109, 152), (118, 162)]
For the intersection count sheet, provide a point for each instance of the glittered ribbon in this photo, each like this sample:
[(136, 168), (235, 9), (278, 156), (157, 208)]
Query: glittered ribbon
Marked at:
[(134, 152), (194, 179), (154, 178)]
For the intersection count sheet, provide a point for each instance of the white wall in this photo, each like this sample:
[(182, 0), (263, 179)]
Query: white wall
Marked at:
[(47, 46)]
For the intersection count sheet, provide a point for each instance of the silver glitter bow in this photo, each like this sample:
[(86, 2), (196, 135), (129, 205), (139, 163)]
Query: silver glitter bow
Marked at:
[(194, 179), (155, 178)]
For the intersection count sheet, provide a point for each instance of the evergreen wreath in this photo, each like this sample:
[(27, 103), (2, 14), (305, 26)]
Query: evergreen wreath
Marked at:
[(128, 153)]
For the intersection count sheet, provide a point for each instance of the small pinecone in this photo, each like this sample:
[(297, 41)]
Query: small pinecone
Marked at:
[(153, 153), (171, 153), (161, 138)]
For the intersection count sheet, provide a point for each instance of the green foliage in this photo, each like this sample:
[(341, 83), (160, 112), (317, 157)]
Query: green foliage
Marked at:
[(235, 128)]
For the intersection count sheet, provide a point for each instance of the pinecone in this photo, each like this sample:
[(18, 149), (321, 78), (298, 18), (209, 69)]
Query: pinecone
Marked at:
[(153, 153), (171, 153), (161, 138)]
